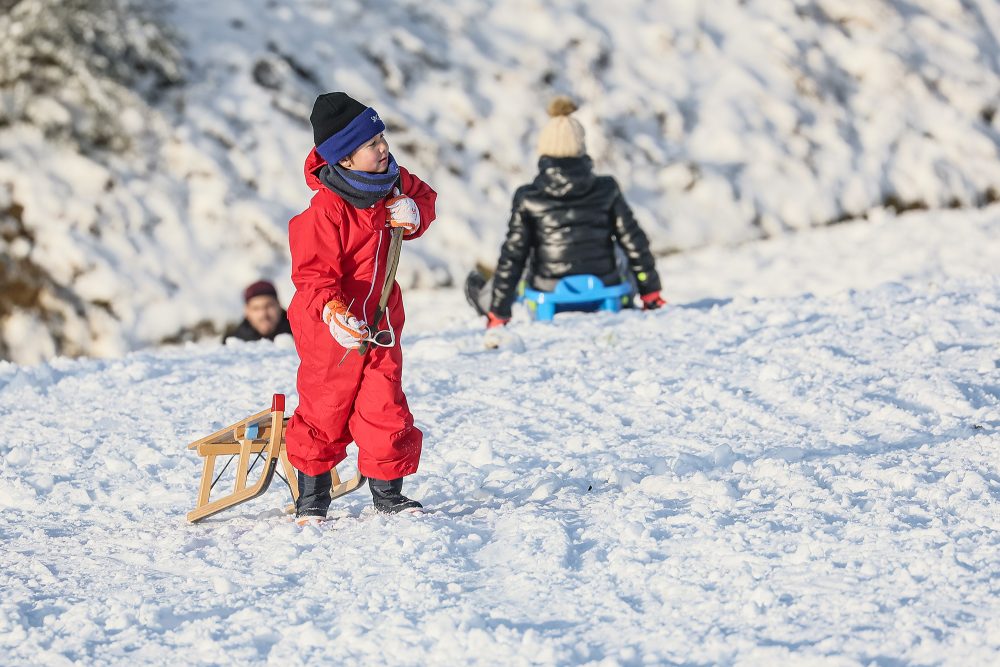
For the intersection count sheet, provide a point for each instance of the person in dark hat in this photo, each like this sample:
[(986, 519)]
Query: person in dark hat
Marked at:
[(351, 363), (263, 316)]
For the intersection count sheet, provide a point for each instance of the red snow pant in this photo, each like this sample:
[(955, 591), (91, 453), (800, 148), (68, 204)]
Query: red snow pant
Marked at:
[(360, 400)]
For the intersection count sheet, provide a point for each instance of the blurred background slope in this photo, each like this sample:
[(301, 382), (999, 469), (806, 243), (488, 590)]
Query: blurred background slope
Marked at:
[(151, 152)]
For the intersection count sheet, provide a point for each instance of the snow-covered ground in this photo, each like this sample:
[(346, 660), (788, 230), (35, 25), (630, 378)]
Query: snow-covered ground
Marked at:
[(794, 463), (723, 121)]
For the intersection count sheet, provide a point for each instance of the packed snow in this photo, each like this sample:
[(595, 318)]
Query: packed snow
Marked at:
[(723, 121), (793, 463)]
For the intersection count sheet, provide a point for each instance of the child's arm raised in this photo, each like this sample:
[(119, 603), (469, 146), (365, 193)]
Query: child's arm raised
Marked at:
[(423, 196)]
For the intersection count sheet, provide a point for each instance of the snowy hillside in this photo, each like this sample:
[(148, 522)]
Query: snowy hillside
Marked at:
[(149, 163), (801, 472)]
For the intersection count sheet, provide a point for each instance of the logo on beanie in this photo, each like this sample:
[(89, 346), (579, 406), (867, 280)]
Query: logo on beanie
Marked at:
[(375, 118)]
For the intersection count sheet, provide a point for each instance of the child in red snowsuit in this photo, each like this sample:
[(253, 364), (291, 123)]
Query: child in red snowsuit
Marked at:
[(339, 247)]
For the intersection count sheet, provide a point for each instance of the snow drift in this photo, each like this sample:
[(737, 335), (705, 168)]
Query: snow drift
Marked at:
[(724, 122)]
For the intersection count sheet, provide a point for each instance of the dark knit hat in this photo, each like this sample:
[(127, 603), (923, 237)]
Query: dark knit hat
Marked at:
[(259, 288), (340, 124)]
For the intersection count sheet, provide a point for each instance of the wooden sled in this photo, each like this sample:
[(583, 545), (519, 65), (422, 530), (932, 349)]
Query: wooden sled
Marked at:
[(262, 435)]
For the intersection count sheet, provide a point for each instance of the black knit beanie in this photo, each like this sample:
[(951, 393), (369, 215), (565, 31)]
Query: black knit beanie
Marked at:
[(340, 124)]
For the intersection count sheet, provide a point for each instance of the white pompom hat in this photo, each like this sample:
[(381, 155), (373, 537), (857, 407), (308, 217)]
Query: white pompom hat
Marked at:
[(562, 136)]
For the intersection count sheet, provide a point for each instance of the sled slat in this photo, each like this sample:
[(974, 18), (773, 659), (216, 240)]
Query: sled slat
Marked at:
[(230, 449), (242, 469), (229, 434)]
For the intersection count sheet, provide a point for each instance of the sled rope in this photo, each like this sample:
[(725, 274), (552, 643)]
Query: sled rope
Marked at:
[(230, 460), (282, 478), (392, 261)]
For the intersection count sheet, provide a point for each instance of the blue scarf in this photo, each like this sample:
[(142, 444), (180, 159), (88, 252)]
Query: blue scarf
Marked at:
[(360, 189)]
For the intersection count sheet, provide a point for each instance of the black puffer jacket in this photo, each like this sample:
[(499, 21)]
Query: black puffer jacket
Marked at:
[(568, 221)]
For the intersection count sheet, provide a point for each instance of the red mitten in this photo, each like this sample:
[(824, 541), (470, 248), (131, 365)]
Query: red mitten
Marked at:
[(652, 301), (494, 320)]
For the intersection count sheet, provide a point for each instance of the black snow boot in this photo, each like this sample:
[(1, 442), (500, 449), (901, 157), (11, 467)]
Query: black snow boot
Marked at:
[(474, 292), (314, 495), (388, 496)]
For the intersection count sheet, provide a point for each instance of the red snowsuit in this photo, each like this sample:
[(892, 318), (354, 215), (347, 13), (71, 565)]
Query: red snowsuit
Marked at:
[(339, 252)]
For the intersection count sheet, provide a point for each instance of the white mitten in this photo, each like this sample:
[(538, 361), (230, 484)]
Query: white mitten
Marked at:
[(345, 328), (403, 212)]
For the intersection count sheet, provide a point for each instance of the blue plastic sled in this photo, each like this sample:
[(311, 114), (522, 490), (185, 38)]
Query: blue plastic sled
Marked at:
[(584, 292)]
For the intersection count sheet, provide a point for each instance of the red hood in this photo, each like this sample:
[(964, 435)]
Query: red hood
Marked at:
[(313, 164)]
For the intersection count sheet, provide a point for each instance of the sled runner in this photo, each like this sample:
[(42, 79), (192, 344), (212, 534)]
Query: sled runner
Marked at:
[(259, 437)]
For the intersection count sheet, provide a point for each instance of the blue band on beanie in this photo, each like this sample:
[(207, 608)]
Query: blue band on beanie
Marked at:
[(364, 126)]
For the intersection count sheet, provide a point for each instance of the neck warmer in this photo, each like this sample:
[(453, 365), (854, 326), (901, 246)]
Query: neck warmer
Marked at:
[(360, 189)]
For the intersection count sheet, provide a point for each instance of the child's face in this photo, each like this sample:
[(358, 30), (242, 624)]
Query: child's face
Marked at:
[(372, 156)]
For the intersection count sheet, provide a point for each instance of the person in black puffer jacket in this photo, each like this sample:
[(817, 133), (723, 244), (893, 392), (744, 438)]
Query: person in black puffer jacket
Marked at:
[(568, 221)]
